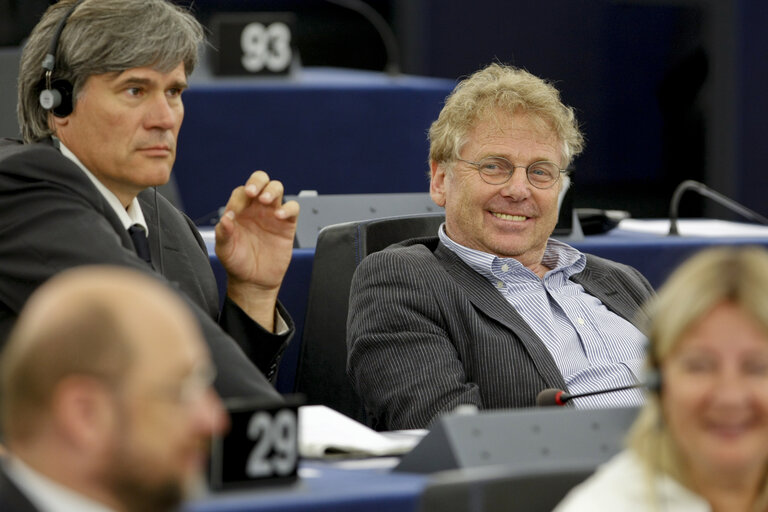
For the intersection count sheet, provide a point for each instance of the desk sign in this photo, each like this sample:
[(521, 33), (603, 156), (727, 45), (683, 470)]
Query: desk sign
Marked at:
[(261, 445), (253, 43)]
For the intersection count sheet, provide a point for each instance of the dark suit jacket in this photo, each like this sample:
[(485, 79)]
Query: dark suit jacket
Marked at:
[(52, 218), (11, 497), (427, 333)]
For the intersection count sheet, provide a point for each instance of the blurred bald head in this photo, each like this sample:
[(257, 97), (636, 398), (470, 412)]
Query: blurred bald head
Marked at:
[(92, 321), (105, 387)]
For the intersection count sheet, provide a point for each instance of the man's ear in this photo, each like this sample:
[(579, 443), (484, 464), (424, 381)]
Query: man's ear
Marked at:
[(55, 123), (437, 182), (84, 410)]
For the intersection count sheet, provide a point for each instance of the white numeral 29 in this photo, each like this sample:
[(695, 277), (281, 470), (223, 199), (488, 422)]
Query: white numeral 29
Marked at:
[(275, 451)]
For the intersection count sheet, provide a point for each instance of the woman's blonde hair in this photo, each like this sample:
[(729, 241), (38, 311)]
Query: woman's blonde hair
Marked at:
[(713, 276)]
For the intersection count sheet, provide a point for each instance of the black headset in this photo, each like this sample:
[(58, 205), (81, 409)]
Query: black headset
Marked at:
[(56, 95), (653, 376)]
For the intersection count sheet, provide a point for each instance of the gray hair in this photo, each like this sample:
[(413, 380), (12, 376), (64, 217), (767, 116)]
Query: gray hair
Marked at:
[(103, 36), (501, 88)]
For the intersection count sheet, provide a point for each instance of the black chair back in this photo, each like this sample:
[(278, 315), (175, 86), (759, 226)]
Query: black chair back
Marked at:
[(321, 374)]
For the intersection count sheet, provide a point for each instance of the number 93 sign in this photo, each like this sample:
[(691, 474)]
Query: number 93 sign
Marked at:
[(260, 446), (253, 43)]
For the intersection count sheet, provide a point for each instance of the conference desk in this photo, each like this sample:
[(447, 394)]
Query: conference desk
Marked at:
[(328, 488), (640, 244), (336, 131), (325, 487), (533, 449)]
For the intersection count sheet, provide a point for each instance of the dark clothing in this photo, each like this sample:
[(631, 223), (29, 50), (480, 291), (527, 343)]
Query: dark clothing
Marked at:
[(427, 333), (53, 218)]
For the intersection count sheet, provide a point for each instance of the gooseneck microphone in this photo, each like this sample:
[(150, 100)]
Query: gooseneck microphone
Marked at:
[(558, 397), (719, 198), (382, 28)]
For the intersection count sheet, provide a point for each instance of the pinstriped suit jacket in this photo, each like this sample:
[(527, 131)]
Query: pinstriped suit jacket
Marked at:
[(426, 333)]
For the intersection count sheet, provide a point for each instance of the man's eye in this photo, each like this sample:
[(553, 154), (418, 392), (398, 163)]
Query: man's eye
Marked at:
[(494, 166), (133, 91)]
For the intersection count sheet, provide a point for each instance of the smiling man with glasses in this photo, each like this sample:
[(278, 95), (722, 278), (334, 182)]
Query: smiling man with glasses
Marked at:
[(491, 311)]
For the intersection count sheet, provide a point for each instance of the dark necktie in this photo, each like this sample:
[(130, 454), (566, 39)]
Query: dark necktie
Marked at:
[(140, 242)]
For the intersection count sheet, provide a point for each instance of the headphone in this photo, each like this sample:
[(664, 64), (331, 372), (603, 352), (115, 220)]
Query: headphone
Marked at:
[(57, 94), (653, 376)]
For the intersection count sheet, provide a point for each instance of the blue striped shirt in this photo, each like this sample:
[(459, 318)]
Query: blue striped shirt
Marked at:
[(593, 347)]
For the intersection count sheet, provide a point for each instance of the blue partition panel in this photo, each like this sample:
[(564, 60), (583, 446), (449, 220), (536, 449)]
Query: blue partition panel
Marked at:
[(334, 131)]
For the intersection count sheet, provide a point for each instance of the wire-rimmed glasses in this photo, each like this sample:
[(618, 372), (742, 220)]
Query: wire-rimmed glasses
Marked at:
[(496, 170)]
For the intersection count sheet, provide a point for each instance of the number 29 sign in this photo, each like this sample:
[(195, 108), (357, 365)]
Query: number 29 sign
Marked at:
[(260, 446), (253, 43)]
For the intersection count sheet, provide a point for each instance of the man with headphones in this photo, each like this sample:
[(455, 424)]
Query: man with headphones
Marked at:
[(100, 109)]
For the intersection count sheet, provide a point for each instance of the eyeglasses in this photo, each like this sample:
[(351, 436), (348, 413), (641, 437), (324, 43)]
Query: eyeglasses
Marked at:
[(496, 170), (190, 388)]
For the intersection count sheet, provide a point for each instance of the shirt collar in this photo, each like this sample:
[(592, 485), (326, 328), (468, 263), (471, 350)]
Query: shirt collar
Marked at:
[(128, 216), (47, 495), (558, 256)]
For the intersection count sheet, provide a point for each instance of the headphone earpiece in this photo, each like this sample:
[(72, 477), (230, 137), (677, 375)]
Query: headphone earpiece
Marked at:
[(56, 95), (653, 375), (58, 98), (653, 380)]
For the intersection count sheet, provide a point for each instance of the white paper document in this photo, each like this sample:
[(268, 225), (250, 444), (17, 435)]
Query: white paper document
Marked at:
[(324, 432), (695, 227)]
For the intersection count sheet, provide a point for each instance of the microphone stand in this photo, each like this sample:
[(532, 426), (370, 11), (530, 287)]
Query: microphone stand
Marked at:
[(382, 28), (559, 397), (719, 198)]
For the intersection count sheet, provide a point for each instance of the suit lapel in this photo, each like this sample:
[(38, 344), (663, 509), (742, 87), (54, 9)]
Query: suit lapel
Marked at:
[(491, 303), (11, 496), (75, 178), (611, 291)]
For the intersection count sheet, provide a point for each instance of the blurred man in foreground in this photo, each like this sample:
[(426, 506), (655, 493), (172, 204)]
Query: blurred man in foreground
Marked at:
[(105, 397)]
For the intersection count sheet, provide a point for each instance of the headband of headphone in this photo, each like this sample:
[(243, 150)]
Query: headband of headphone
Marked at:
[(57, 94)]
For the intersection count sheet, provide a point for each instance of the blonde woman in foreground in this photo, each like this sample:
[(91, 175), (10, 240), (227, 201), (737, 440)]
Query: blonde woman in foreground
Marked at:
[(701, 441)]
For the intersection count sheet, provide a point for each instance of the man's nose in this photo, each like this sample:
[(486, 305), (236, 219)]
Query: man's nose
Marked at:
[(162, 114), (518, 187), (210, 415)]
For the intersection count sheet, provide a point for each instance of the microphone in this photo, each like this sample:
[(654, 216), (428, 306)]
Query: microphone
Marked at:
[(719, 198), (558, 397)]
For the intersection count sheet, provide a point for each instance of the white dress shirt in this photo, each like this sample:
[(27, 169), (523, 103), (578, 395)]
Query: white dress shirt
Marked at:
[(128, 216), (594, 348), (47, 495)]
